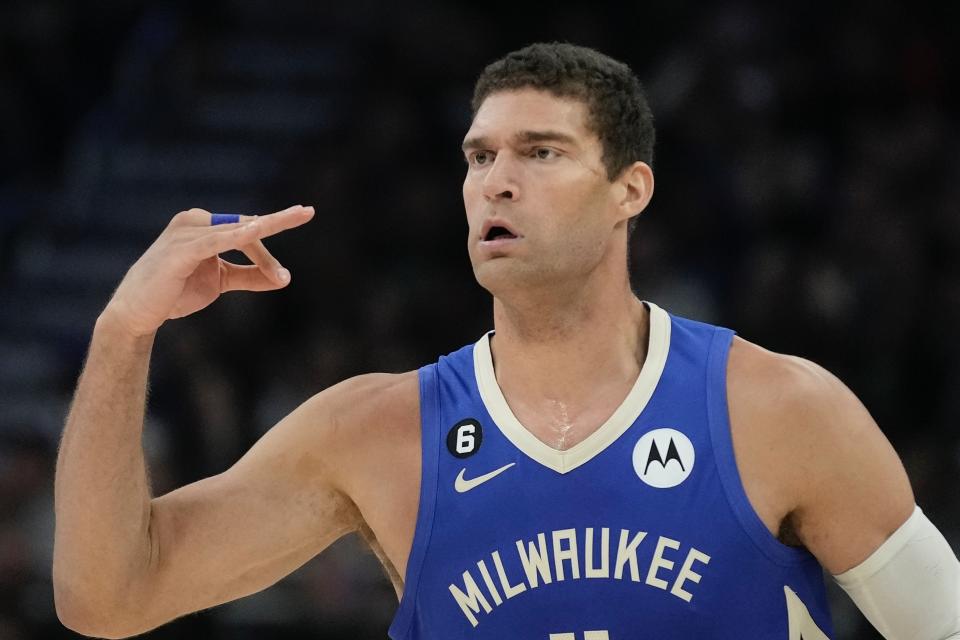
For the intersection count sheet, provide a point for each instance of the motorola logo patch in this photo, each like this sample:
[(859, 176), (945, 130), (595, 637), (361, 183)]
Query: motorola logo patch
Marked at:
[(663, 458)]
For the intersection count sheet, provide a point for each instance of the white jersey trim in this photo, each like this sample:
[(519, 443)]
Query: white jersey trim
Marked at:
[(632, 406)]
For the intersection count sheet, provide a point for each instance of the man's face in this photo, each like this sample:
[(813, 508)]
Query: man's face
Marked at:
[(540, 208)]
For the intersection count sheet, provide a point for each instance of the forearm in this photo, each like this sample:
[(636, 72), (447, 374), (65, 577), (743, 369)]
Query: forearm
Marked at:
[(910, 586), (102, 495)]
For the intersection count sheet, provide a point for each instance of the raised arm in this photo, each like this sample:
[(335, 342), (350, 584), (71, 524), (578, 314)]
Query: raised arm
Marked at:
[(108, 530)]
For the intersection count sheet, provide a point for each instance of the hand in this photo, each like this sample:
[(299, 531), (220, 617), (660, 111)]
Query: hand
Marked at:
[(182, 271)]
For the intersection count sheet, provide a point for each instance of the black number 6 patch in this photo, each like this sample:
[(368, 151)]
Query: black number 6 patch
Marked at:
[(464, 438)]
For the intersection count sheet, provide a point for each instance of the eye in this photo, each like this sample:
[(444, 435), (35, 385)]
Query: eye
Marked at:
[(479, 157), (544, 153)]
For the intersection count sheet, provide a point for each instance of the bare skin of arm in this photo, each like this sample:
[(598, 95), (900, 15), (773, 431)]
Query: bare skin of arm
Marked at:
[(217, 539), (102, 498), (125, 562), (816, 467), (289, 497)]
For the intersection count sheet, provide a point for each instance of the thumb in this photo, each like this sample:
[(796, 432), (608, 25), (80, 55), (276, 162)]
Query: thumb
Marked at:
[(240, 277)]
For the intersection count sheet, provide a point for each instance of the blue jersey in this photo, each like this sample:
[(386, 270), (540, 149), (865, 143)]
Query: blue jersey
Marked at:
[(641, 531)]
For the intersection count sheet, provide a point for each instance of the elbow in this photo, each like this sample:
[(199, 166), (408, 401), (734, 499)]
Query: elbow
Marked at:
[(79, 617), (88, 618)]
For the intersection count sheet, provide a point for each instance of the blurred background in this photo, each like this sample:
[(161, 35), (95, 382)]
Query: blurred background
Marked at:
[(808, 195)]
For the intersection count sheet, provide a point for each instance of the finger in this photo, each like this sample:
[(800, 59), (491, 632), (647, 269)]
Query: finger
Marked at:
[(202, 218), (269, 265), (274, 223), (211, 241), (220, 221), (245, 277), (197, 222)]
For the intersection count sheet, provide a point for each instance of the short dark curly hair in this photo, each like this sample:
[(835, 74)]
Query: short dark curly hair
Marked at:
[(618, 111)]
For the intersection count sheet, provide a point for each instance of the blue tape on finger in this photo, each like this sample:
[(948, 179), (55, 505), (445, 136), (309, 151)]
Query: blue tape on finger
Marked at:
[(224, 218)]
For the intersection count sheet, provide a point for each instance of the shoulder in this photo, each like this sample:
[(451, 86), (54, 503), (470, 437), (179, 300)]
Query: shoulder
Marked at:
[(373, 392), (795, 401), (809, 451), (785, 411), (368, 404), (353, 418), (766, 382)]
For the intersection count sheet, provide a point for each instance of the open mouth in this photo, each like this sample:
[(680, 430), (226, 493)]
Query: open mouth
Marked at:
[(498, 233), (495, 229)]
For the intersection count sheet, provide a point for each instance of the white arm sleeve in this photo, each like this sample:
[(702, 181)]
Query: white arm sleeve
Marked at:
[(909, 588)]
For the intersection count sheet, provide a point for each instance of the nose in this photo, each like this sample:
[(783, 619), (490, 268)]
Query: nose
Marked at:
[(499, 181)]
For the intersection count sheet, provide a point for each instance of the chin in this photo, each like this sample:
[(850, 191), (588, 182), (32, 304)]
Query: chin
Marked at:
[(497, 275), (504, 276)]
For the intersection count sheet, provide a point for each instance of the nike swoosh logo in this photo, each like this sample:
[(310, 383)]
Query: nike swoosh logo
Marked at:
[(462, 485)]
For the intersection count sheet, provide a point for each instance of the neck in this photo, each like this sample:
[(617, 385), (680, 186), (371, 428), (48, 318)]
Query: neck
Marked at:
[(570, 357)]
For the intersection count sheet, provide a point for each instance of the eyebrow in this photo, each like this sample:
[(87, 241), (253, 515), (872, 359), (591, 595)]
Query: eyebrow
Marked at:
[(523, 137)]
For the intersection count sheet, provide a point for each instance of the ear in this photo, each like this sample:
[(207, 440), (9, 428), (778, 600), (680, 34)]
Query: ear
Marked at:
[(636, 183)]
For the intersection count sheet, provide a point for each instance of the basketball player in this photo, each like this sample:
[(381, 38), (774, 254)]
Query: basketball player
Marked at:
[(596, 468)]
